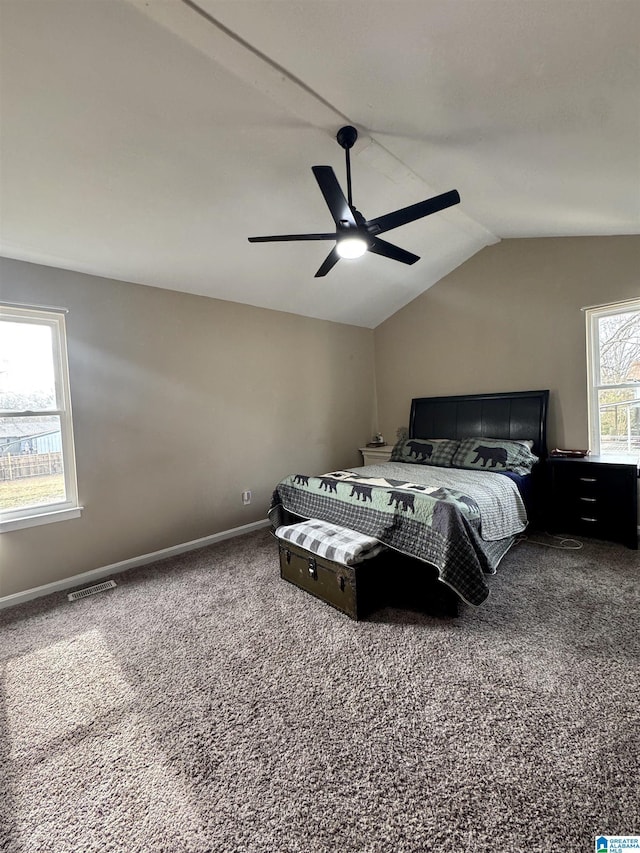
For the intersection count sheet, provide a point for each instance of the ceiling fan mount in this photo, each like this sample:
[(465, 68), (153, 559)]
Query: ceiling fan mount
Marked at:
[(355, 235), (347, 136)]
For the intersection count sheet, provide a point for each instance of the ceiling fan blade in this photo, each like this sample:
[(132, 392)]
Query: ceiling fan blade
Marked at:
[(414, 211), (292, 237), (388, 250), (329, 262), (333, 195)]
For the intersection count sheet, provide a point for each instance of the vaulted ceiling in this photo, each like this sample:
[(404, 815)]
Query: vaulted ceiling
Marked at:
[(145, 140)]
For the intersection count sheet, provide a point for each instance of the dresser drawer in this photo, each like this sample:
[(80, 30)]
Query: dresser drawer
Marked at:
[(593, 492), (595, 499)]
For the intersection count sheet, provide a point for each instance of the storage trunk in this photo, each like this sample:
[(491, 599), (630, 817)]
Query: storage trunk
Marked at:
[(355, 590)]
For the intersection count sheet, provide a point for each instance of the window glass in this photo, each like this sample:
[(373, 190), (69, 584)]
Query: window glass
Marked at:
[(619, 336), (37, 463), (614, 378), (31, 462), (27, 379)]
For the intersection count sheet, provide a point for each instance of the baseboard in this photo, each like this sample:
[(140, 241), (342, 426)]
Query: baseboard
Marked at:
[(124, 565)]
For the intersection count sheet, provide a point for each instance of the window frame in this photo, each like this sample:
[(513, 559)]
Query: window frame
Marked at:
[(60, 510), (594, 385)]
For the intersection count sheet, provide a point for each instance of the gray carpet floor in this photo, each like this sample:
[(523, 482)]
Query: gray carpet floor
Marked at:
[(206, 705)]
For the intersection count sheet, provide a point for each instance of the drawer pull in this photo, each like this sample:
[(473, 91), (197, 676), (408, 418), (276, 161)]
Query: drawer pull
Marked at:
[(589, 500), (588, 480), (592, 520)]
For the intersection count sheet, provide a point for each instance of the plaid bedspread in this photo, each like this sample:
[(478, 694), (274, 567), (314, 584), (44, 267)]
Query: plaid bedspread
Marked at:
[(438, 525)]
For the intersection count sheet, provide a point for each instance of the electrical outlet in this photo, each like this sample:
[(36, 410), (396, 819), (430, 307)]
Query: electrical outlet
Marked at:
[(246, 498)]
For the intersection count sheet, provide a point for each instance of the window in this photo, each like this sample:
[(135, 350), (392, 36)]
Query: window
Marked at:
[(37, 464), (613, 359)]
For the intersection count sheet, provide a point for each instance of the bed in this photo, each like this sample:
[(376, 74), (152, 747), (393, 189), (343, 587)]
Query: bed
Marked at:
[(454, 496)]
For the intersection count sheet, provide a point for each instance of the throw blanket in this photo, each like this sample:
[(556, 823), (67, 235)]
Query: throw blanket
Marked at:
[(439, 525), (335, 543)]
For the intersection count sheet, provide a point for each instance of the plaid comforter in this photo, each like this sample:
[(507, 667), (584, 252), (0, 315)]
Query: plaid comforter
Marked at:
[(403, 506)]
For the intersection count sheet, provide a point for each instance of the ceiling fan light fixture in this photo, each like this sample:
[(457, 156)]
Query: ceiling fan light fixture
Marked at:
[(351, 247)]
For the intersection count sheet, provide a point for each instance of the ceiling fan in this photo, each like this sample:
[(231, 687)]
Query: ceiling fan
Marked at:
[(355, 235)]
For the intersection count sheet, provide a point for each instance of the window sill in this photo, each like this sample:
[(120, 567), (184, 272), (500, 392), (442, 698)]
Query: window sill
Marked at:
[(42, 518)]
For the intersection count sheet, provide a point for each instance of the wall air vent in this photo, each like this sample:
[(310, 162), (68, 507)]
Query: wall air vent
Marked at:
[(91, 590)]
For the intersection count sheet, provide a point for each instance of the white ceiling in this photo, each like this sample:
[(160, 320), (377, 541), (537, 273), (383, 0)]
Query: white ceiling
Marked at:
[(145, 140)]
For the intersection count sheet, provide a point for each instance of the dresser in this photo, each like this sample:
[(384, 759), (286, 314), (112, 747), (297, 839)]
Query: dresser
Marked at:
[(376, 455), (596, 497)]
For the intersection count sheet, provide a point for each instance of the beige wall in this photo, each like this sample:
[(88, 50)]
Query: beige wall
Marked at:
[(180, 403), (508, 319)]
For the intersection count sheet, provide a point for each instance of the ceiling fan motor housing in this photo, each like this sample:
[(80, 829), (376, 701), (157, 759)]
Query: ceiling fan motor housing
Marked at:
[(347, 136)]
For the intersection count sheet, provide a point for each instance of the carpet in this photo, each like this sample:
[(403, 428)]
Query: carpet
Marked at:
[(206, 705)]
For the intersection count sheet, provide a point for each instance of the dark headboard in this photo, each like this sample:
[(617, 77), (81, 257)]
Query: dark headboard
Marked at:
[(518, 415)]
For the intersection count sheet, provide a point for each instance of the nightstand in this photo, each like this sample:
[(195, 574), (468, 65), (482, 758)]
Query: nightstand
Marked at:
[(376, 455), (596, 496)]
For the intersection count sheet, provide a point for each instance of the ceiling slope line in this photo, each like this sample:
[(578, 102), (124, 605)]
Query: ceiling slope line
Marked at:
[(280, 70), (224, 47), (228, 49)]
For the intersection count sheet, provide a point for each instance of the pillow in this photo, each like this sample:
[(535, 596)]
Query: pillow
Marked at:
[(494, 454), (425, 451)]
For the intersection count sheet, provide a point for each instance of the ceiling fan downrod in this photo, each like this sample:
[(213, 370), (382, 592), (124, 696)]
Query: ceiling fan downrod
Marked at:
[(346, 137)]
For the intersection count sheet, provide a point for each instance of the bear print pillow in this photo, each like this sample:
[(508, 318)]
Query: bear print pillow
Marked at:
[(425, 451), (494, 454)]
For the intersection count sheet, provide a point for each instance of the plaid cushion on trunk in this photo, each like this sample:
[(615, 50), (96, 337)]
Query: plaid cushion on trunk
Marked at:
[(338, 544)]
